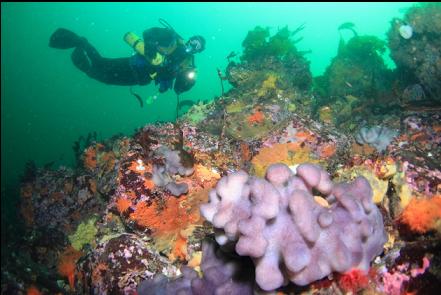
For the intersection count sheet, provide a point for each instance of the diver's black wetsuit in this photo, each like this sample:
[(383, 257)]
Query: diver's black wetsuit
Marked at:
[(116, 71), (134, 70)]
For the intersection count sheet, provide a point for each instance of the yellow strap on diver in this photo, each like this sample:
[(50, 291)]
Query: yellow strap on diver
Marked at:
[(152, 76), (158, 59)]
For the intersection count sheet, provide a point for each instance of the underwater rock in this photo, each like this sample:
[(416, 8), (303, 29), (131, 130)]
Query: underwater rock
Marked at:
[(123, 173), (417, 52), (413, 94), (119, 263), (239, 74), (277, 220), (197, 113), (269, 84), (58, 199), (357, 70), (378, 136), (220, 276)]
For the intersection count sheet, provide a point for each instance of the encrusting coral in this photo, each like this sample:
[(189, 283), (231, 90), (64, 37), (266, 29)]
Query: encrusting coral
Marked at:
[(277, 221)]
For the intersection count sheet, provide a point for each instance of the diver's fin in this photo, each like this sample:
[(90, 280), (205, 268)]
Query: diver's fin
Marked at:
[(64, 39)]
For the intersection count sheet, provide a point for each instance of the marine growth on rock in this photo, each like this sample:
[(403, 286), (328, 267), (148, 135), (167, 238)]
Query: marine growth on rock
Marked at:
[(378, 136), (278, 221)]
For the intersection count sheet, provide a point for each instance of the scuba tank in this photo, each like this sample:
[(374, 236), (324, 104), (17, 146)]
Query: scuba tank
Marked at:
[(135, 42), (138, 45)]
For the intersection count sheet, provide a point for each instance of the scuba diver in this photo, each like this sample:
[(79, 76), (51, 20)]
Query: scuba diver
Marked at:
[(162, 56)]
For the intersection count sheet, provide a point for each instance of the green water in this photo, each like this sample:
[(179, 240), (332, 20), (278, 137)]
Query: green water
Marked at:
[(47, 103)]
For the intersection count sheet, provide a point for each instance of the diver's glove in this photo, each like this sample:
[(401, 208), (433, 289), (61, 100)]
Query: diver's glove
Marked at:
[(164, 84)]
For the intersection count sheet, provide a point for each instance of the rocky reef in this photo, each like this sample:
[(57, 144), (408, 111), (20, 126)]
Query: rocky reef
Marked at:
[(241, 184), (356, 81), (222, 274), (271, 80), (414, 42)]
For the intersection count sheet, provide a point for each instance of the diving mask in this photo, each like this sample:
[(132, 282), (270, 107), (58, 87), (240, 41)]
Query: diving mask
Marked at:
[(195, 44)]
